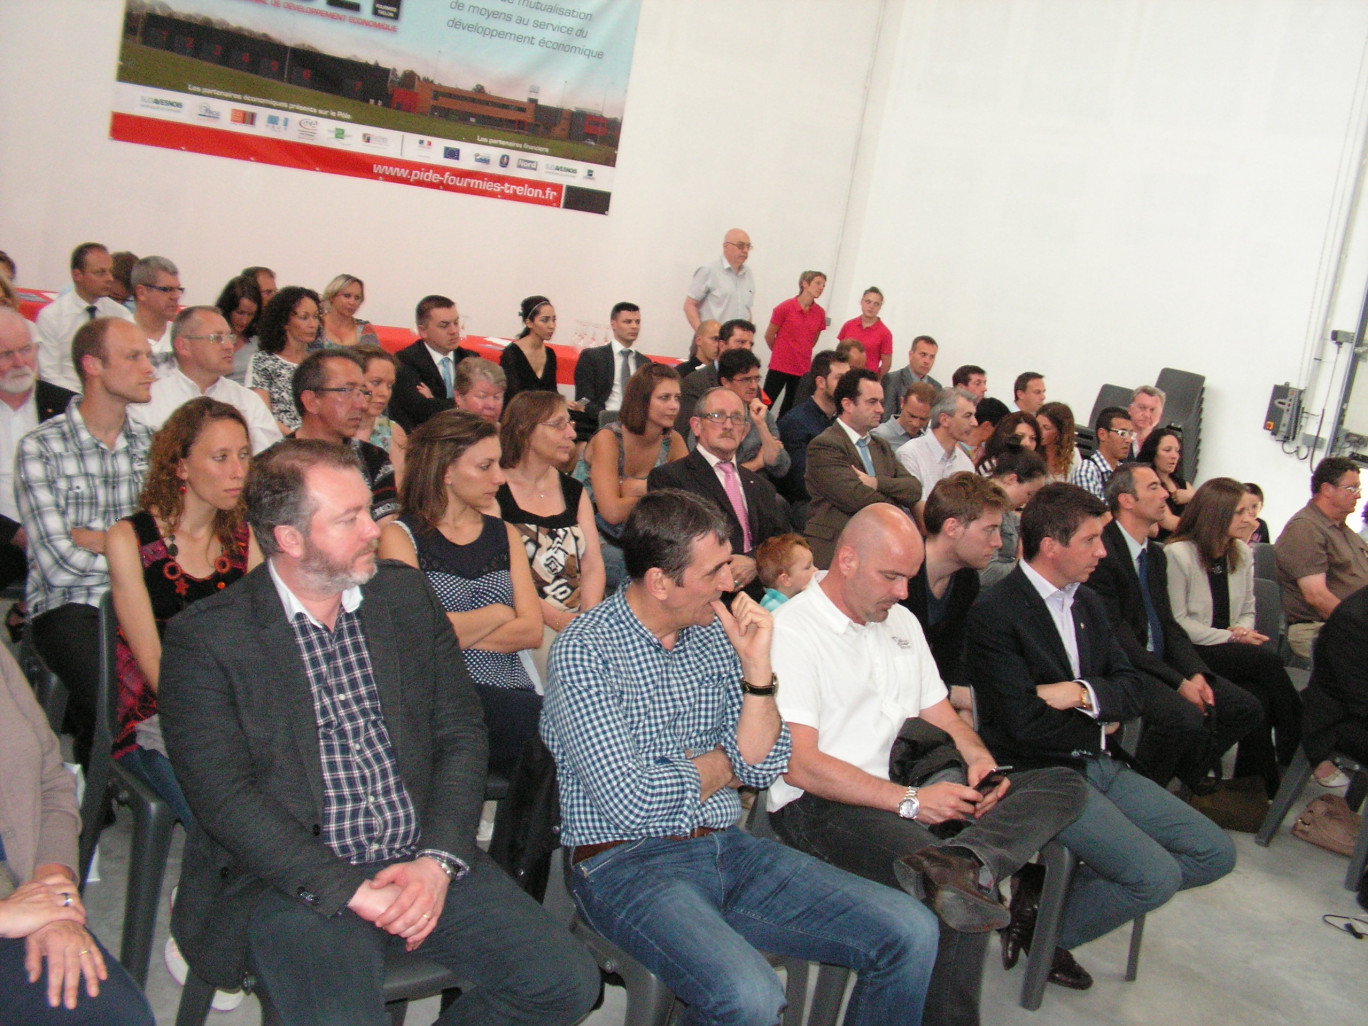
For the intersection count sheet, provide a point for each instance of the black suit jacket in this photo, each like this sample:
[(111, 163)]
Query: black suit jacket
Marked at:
[(691, 390), (1336, 701), (50, 400), (238, 715), (946, 638), (595, 373), (1014, 646), (1117, 582), (693, 474), (408, 407)]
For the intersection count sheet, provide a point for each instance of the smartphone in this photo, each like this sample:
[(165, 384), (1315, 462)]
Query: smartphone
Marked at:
[(992, 779)]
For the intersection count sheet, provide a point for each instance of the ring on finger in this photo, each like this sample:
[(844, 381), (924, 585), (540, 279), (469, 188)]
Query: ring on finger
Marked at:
[(66, 899)]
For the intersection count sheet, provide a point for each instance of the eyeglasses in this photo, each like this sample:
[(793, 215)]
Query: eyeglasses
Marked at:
[(347, 390), (748, 379), (718, 417), (1351, 489), (218, 338), (167, 290), (559, 424), (743, 246), (1121, 432)]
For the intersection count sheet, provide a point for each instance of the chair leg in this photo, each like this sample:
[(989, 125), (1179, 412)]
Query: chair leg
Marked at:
[(1059, 868), (1133, 958), (1358, 859), (152, 826), (795, 990), (397, 1010), (1288, 791), (1357, 789), (828, 995), (195, 1001)]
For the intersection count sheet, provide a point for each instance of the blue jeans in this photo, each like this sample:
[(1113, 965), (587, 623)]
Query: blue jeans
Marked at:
[(154, 770), (522, 965), (695, 911), (1141, 845), (119, 1003)]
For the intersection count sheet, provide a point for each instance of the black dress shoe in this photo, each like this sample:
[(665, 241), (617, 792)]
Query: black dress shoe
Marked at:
[(1026, 884), (950, 884), (1068, 973)]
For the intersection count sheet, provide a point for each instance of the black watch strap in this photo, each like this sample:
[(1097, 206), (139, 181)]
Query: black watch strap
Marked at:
[(763, 690)]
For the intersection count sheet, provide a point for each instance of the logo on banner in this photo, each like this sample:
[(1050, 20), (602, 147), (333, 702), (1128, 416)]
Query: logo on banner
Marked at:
[(276, 123), (208, 112), (482, 158), (373, 139), (243, 117), (451, 152), (162, 104), (307, 128), (503, 160), (526, 165), (341, 135), (561, 169), (425, 145), (588, 172)]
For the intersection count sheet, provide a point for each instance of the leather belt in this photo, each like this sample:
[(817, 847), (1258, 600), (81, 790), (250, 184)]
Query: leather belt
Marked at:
[(587, 851)]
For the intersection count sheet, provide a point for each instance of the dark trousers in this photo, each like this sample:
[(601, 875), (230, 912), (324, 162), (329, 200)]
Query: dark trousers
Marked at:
[(13, 564), (511, 717), (777, 382), (522, 965), (68, 639), (1259, 670), (1180, 740), (867, 841), (119, 1003)]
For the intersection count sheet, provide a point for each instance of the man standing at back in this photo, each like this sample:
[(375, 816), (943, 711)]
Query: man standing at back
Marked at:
[(659, 705), (871, 332), (76, 475), (92, 276), (323, 726), (602, 372), (725, 289), (426, 380)]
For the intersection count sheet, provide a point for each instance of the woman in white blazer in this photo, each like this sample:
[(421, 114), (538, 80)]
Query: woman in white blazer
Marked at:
[(1211, 590)]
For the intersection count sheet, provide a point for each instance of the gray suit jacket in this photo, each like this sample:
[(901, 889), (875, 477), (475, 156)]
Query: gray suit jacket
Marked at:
[(837, 493), (239, 721)]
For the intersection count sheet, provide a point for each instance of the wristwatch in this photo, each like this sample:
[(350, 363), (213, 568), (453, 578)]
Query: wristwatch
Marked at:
[(763, 690), (454, 868), (1084, 698), (910, 804)]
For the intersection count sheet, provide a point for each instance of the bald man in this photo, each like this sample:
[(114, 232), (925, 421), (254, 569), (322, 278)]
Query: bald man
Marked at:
[(855, 667), (703, 349), (725, 289)]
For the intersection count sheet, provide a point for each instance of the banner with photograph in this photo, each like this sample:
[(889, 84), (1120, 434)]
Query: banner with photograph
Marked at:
[(515, 99)]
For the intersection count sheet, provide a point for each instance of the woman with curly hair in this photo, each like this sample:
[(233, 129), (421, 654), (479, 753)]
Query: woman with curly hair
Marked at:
[(188, 540), (1057, 435), (287, 330), (1015, 432), (240, 302)]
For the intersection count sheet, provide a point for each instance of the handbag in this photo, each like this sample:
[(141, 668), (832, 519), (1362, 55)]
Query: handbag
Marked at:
[(1329, 823)]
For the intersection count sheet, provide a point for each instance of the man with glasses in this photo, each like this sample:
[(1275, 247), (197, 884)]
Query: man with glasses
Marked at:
[(738, 371), (25, 402), (715, 471), (1114, 434), (157, 292), (725, 289), (92, 276), (1321, 561), (203, 347), (331, 397)]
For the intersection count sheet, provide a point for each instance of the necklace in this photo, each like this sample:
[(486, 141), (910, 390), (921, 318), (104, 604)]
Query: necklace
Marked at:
[(175, 573)]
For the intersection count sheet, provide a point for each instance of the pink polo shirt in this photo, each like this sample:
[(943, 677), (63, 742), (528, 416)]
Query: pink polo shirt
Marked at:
[(876, 339), (797, 335)]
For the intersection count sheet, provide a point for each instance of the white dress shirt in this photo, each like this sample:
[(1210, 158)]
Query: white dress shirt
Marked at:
[(926, 459), (14, 425), (175, 390), (57, 324), (1059, 601), (614, 401)]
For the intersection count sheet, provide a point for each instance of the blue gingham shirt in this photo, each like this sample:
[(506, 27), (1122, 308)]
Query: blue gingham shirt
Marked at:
[(623, 716), (368, 815), (67, 478)]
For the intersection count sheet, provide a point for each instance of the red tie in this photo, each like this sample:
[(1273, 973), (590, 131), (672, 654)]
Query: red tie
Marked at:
[(732, 486)]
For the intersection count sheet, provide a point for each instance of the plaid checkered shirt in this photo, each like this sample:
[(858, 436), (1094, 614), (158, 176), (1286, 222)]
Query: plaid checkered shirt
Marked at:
[(1093, 474), (66, 478), (368, 815), (623, 716)]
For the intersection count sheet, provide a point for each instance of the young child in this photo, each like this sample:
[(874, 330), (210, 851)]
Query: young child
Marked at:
[(784, 565)]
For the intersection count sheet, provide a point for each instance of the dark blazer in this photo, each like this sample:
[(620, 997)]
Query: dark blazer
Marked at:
[(1117, 582), (238, 715), (50, 400), (595, 373), (691, 390), (837, 494), (946, 638), (1336, 701), (693, 474), (1014, 646), (408, 407)]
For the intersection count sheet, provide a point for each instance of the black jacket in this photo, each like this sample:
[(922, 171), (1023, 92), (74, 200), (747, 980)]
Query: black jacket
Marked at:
[(595, 373), (946, 638), (1335, 712), (408, 407), (693, 474)]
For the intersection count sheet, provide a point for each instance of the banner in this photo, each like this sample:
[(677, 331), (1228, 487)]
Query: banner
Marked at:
[(514, 99)]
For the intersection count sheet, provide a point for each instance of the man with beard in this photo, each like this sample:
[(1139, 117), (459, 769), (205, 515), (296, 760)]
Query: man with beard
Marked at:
[(25, 402), (329, 741)]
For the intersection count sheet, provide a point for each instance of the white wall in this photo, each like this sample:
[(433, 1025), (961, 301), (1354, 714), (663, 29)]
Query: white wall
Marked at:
[(737, 114), (1093, 188), (1096, 190)]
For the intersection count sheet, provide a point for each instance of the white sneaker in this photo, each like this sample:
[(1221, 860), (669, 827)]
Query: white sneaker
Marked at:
[(224, 1000), (1337, 779)]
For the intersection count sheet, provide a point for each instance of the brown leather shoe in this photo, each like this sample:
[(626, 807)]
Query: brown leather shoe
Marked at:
[(1016, 938), (950, 885), (1068, 973)]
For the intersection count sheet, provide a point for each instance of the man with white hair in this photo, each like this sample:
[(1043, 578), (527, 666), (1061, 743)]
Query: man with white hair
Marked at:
[(724, 289), (1146, 411), (25, 402)]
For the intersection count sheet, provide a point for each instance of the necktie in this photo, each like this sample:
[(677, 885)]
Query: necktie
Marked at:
[(863, 446), (446, 375), (91, 311), (625, 372), (732, 486), (1156, 632)]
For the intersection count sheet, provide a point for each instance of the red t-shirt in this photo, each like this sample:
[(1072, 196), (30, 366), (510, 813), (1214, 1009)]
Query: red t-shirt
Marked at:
[(797, 336), (876, 339)]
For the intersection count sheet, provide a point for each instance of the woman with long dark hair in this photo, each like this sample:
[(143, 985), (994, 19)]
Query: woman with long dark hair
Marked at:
[(1057, 440), (240, 303), (1163, 450), (287, 330)]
